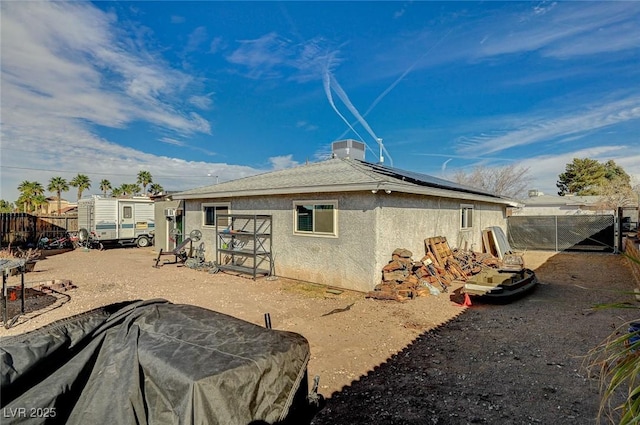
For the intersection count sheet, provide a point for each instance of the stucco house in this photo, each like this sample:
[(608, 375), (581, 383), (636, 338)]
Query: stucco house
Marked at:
[(336, 222)]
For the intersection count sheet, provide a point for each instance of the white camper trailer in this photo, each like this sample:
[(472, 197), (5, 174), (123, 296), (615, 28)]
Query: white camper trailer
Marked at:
[(122, 221)]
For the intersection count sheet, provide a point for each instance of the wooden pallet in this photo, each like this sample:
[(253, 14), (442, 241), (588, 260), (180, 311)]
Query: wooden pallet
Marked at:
[(442, 255)]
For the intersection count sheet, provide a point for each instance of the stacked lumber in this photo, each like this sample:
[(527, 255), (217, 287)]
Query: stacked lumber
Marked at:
[(440, 253), (404, 279)]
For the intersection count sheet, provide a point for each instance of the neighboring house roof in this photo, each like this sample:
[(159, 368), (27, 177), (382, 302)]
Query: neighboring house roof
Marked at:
[(70, 208), (340, 175), (569, 200)]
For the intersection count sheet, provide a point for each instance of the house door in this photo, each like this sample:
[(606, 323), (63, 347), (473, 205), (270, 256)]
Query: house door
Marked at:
[(127, 229)]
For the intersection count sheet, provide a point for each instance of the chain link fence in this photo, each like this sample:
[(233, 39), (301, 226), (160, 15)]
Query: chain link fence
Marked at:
[(562, 233)]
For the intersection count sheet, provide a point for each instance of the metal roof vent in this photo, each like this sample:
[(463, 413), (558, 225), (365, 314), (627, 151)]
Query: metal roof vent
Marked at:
[(348, 149)]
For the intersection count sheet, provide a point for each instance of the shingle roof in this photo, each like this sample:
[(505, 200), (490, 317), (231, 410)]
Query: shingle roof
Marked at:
[(338, 175)]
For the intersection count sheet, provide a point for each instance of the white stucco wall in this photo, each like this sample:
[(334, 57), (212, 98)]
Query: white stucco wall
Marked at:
[(407, 220), (370, 227)]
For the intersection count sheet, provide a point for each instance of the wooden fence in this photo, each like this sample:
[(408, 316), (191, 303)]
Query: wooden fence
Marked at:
[(25, 229)]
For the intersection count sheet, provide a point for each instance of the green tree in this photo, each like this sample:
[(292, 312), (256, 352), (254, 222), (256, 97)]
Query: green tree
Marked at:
[(614, 172), (6, 206), (58, 185), (144, 178), (28, 191), (105, 185), (39, 201), (155, 188), (117, 192), (585, 176), (128, 189), (82, 182), (132, 189)]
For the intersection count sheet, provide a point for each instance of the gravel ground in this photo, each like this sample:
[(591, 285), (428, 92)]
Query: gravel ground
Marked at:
[(520, 363), (425, 361)]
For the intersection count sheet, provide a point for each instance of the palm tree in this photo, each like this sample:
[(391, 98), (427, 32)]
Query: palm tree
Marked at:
[(82, 182), (128, 189), (104, 186), (38, 202), (58, 185), (132, 188), (155, 188), (6, 206), (144, 178), (28, 191), (117, 192)]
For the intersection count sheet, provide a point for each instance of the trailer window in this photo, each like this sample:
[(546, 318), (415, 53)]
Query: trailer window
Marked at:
[(127, 212)]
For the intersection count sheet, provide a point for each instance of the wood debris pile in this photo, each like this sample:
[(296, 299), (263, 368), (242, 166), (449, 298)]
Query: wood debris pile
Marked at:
[(404, 279), (30, 254)]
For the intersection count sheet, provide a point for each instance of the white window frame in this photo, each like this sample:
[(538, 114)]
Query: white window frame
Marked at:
[(464, 217), (332, 202), (213, 205)]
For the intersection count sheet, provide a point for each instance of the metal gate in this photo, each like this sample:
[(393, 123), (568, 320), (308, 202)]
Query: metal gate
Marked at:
[(562, 232)]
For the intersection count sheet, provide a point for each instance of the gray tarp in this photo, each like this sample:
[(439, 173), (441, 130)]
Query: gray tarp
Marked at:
[(151, 362)]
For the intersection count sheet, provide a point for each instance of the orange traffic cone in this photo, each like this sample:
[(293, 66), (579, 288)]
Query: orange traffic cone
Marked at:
[(467, 300)]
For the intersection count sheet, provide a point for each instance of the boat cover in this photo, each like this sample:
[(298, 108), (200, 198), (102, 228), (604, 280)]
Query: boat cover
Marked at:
[(151, 362)]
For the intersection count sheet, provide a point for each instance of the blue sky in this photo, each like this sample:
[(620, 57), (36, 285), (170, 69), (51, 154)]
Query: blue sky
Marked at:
[(194, 90)]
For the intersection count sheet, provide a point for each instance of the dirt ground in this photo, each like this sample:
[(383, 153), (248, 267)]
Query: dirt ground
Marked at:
[(427, 360)]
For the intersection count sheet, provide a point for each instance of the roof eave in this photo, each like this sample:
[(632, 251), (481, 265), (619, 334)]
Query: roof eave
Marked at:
[(413, 189)]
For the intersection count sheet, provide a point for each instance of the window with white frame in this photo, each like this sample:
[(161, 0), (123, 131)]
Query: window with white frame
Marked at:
[(315, 218), (466, 214), (210, 214)]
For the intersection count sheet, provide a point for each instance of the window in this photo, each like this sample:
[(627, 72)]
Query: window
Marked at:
[(315, 217), (467, 216), (210, 214), (127, 212)]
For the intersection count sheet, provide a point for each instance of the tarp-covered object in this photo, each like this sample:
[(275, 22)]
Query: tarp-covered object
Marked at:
[(152, 362)]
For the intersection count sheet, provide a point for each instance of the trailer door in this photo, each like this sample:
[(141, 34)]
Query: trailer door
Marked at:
[(126, 221)]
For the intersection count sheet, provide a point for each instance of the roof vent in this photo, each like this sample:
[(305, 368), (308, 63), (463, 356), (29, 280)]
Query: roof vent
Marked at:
[(535, 192), (348, 149)]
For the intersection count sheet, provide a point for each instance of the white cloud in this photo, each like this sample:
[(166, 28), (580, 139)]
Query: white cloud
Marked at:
[(202, 102), (282, 162), (561, 30), (196, 39), (545, 169), (552, 126), (273, 56), (67, 67), (170, 141)]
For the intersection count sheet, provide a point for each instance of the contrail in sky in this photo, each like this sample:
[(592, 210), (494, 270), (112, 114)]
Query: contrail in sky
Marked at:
[(327, 89), (331, 82), (399, 79), (444, 165)]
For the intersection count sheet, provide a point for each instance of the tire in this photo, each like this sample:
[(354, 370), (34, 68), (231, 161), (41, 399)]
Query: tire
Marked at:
[(143, 242)]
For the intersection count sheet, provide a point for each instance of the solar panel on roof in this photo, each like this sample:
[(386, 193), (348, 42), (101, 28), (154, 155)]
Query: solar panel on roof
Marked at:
[(424, 179)]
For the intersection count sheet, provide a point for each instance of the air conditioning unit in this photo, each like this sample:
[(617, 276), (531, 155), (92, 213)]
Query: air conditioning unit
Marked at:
[(169, 212)]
